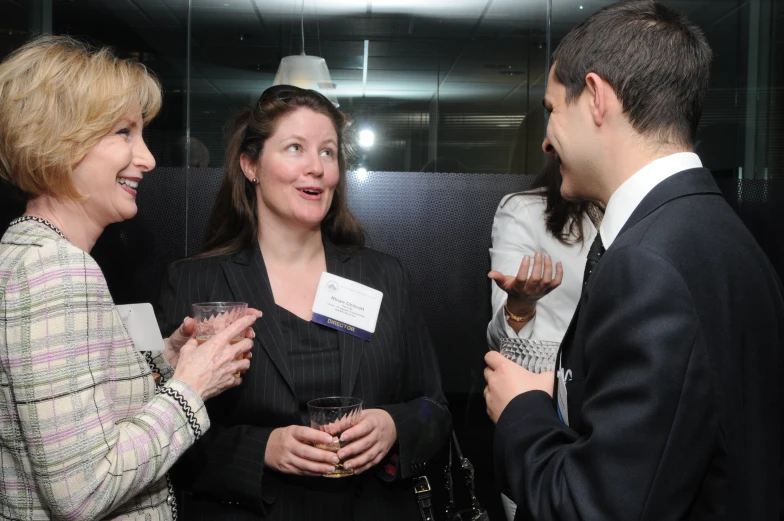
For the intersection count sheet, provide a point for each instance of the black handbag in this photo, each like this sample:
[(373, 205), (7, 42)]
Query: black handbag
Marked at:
[(424, 495)]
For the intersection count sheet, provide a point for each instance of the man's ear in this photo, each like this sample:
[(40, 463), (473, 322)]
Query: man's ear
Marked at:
[(600, 92)]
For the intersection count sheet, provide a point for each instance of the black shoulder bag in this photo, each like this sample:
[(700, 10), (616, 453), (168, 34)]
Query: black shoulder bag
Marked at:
[(424, 496)]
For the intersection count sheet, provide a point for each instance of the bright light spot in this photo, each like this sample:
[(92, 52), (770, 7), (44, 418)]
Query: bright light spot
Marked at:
[(366, 138), (361, 174), (581, 7)]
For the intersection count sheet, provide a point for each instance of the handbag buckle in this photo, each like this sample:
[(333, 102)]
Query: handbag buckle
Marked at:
[(421, 485)]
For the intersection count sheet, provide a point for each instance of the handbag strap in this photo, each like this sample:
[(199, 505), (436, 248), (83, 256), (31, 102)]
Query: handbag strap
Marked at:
[(468, 470), (423, 493), (424, 498), (449, 484)]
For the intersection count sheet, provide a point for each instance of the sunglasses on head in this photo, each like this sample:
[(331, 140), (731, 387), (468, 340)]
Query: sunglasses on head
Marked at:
[(286, 92)]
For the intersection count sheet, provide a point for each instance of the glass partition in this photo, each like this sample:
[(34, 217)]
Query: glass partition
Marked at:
[(440, 86), (740, 133)]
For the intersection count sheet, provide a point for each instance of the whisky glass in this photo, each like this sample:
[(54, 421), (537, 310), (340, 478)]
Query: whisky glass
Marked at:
[(538, 356), (334, 415), (213, 317)]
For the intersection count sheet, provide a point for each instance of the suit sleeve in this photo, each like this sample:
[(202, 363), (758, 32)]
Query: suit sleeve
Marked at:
[(642, 367), (423, 421), (227, 463)]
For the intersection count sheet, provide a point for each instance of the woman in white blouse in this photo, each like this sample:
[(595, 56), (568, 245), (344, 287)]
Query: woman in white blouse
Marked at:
[(540, 243)]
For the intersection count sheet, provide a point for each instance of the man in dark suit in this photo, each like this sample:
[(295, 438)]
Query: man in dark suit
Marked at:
[(666, 403)]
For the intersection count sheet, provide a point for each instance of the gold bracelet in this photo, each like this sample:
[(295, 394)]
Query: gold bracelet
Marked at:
[(518, 318)]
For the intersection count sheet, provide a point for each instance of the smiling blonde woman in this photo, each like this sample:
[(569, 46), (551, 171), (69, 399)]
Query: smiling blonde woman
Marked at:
[(85, 432)]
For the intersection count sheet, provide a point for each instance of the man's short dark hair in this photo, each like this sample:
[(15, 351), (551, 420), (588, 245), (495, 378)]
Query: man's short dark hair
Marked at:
[(657, 61)]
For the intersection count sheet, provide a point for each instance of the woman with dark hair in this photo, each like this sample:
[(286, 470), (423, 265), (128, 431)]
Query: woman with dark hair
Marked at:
[(279, 223), (532, 231)]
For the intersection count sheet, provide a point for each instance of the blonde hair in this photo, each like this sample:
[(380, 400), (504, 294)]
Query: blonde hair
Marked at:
[(58, 99)]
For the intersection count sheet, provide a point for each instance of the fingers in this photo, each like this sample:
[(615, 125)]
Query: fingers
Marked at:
[(249, 333), (357, 447), (305, 457), (541, 280), (494, 360), (189, 346), (236, 328), (255, 312), (525, 266), (311, 436), (558, 275), (360, 430), (535, 278), (238, 366), (366, 459), (311, 468), (315, 455), (181, 334), (188, 327), (547, 273), (240, 349), (502, 280)]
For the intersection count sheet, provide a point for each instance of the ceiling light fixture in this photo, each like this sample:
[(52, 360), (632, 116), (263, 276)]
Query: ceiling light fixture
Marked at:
[(367, 138), (306, 72)]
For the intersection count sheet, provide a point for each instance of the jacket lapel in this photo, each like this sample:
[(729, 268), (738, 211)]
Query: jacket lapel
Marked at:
[(351, 348), (249, 282)]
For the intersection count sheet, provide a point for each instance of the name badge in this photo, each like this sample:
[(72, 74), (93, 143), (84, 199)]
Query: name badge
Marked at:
[(346, 305), (139, 321)]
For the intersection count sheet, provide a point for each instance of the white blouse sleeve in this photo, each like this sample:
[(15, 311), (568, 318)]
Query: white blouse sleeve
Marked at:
[(515, 232)]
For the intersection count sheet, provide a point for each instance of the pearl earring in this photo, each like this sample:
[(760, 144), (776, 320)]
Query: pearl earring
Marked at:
[(255, 181)]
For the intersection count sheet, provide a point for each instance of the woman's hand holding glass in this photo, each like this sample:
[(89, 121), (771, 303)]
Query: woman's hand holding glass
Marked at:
[(530, 284), (291, 450), (185, 332), (369, 441), (210, 368)]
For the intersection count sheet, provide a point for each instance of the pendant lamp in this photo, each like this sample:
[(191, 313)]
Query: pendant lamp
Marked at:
[(306, 72)]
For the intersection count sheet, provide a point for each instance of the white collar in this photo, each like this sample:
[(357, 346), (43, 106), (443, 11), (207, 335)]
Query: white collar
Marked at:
[(628, 196)]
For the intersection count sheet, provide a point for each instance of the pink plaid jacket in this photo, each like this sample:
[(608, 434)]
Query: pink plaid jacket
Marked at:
[(83, 434)]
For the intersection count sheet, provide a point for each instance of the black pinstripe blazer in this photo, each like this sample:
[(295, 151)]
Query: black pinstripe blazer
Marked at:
[(396, 371)]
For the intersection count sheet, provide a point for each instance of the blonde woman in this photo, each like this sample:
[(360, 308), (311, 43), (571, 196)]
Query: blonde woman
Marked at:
[(84, 432)]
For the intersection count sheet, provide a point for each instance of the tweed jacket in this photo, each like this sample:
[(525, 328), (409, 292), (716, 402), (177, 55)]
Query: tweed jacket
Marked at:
[(83, 434)]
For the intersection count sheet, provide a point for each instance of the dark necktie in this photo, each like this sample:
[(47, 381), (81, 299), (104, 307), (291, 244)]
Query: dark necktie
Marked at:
[(594, 254)]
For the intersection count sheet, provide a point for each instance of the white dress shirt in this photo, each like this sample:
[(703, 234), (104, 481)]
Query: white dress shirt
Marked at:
[(519, 229), (631, 193)]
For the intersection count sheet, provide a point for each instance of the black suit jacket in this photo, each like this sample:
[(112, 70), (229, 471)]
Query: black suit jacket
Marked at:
[(396, 371), (675, 395)]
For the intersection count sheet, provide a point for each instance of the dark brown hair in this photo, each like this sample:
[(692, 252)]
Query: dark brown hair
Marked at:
[(655, 59), (563, 219), (233, 223)]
